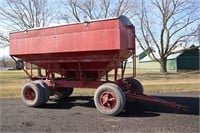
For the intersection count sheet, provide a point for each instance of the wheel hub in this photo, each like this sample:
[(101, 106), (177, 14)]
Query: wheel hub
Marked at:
[(108, 100), (30, 94)]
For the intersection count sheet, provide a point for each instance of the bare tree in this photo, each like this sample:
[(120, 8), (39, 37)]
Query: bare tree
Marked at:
[(164, 25), (25, 14), (4, 62), (4, 41), (78, 10), (18, 15)]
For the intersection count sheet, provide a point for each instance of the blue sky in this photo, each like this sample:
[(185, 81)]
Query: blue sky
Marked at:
[(55, 5)]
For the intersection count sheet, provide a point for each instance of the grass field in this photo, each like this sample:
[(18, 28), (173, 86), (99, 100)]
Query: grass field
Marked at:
[(12, 81)]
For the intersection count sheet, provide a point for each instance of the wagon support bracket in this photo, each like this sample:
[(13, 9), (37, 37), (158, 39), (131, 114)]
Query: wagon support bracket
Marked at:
[(151, 99)]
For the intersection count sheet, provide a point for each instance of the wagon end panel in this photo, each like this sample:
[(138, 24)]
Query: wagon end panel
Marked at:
[(127, 35), (127, 38)]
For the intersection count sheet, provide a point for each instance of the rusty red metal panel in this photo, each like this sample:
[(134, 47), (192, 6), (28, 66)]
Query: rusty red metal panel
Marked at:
[(104, 35), (64, 49), (99, 35)]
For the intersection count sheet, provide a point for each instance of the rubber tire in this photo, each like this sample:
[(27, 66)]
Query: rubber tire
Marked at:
[(38, 94), (19, 64), (120, 99), (45, 89), (63, 93), (136, 84)]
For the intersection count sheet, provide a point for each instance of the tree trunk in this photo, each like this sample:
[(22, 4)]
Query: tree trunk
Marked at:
[(163, 65)]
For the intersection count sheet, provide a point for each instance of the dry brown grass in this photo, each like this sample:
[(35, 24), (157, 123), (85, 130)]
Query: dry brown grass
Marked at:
[(172, 82), (12, 81)]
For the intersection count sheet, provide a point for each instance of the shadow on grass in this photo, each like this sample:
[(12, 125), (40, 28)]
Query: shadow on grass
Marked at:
[(132, 109)]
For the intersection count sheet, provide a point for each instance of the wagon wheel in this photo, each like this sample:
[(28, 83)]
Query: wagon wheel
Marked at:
[(63, 93), (109, 99), (135, 85), (32, 94), (45, 89), (19, 64)]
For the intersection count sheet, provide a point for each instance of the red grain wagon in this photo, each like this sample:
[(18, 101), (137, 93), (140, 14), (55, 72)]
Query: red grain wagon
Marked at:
[(82, 54)]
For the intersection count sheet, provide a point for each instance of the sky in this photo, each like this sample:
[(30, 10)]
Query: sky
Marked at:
[(5, 51)]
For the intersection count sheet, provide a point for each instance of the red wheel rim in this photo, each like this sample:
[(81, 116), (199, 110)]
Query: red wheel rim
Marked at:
[(29, 94), (107, 100)]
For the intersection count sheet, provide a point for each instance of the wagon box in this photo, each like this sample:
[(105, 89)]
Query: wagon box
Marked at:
[(110, 34), (82, 54), (94, 46)]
